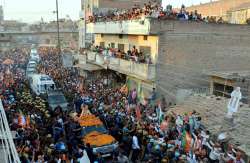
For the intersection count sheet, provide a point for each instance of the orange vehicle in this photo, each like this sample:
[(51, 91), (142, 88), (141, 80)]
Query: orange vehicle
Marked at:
[(95, 134)]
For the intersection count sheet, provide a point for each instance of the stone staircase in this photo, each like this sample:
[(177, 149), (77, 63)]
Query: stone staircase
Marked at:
[(213, 110)]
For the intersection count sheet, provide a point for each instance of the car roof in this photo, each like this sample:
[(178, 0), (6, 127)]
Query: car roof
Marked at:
[(51, 93)]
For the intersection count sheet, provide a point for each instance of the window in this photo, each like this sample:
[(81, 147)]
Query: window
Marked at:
[(121, 47), (112, 45), (145, 50), (102, 44), (145, 38), (120, 36), (101, 35)]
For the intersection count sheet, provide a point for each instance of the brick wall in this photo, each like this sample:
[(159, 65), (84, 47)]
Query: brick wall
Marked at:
[(188, 51)]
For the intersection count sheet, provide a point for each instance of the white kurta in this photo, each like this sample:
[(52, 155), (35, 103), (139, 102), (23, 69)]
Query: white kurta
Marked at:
[(84, 158), (234, 102)]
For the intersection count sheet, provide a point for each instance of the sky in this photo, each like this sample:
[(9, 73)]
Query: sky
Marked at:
[(33, 10)]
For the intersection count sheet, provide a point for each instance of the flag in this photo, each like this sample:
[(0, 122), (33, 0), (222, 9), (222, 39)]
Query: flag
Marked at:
[(159, 114), (27, 121), (21, 120), (138, 113), (186, 141)]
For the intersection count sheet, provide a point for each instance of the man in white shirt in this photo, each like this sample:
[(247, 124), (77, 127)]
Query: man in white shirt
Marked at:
[(84, 158), (135, 148)]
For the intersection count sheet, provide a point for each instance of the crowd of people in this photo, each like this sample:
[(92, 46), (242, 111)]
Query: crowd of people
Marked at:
[(134, 54), (145, 130), (151, 10)]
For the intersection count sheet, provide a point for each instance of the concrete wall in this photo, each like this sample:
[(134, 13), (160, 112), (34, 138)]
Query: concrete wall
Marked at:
[(189, 50), (67, 39)]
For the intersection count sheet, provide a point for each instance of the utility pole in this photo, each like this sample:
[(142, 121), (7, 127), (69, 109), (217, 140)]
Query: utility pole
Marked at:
[(58, 28)]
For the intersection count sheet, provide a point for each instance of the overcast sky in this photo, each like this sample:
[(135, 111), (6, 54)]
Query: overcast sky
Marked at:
[(33, 10)]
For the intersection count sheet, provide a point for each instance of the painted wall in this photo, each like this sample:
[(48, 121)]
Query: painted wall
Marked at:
[(240, 16), (129, 41), (67, 39)]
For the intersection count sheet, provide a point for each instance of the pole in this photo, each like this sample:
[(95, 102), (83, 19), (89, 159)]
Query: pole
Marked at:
[(58, 32), (84, 21)]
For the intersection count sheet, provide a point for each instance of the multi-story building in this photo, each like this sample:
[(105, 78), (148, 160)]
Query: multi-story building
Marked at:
[(90, 7), (5, 41), (140, 75), (183, 53), (1, 14), (13, 33)]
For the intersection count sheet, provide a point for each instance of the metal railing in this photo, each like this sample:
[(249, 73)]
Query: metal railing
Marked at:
[(143, 70), (8, 150), (201, 91)]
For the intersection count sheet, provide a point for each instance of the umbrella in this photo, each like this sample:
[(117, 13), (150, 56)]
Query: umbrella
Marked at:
[(8, 62)]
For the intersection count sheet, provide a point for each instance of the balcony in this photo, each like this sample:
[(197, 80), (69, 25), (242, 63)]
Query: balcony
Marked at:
[(136, 27), (81, 59), (128, 67)]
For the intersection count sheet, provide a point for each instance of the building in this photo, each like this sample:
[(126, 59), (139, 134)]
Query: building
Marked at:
[(188, 51), (5, 41), (90, 7), (223, 83), (219, 8), (1, 14), (183, 53), (240, 14), (12, 25)]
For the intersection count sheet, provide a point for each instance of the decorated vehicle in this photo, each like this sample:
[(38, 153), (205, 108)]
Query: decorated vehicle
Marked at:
[(94, 133)]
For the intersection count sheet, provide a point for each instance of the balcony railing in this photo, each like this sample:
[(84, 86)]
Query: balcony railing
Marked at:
[(128, 67)]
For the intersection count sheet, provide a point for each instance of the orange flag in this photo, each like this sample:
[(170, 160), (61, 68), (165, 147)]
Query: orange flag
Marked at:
[(138, 113)]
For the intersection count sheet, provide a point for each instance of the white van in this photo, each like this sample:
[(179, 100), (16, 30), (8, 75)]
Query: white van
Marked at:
[(30, 71), (34, 55), (31, 64), (41, 84)]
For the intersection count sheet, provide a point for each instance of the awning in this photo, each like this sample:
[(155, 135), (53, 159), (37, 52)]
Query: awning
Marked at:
[(88, 67)]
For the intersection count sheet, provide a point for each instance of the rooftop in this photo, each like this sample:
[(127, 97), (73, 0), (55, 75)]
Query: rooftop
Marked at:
[(230, 74)]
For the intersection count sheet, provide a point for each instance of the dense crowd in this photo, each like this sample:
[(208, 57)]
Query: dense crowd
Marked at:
[(146, 132), (151, 10), (133, 54)]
